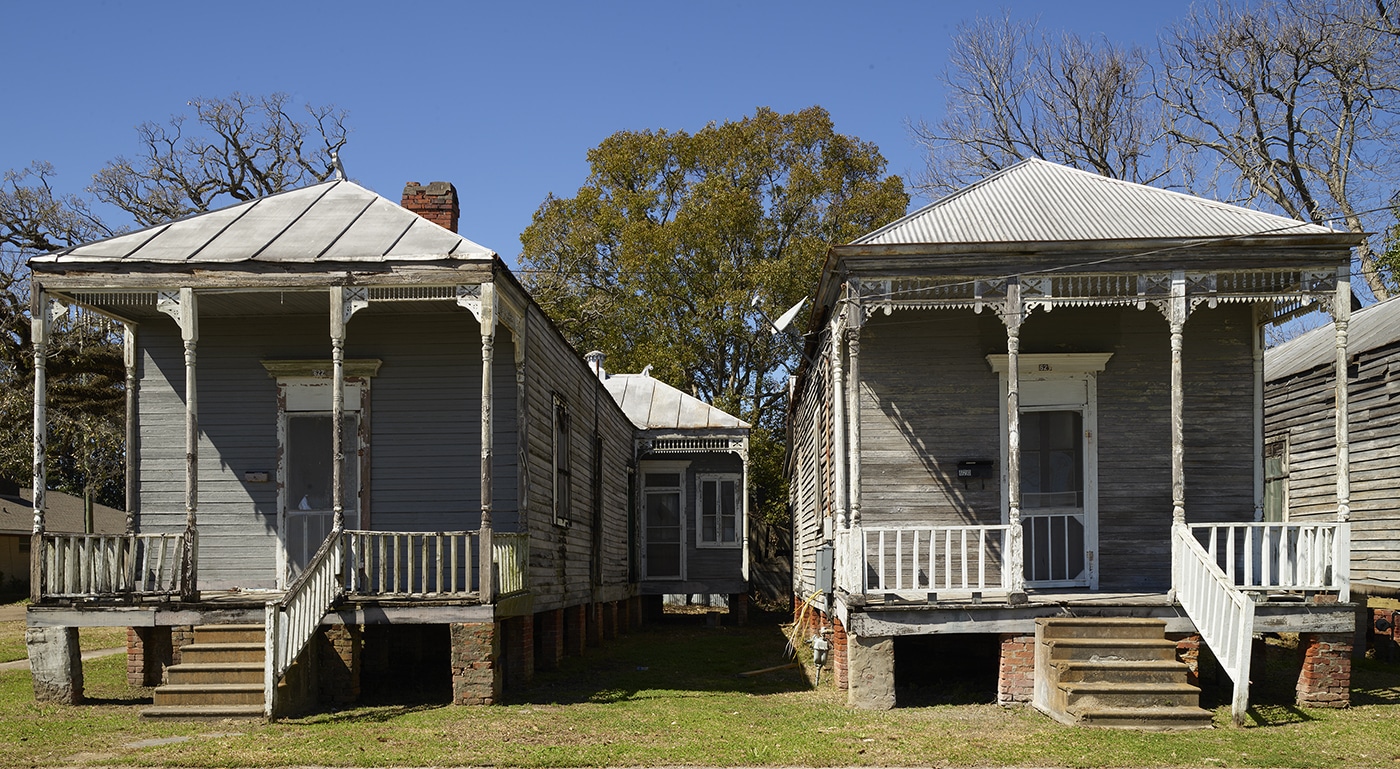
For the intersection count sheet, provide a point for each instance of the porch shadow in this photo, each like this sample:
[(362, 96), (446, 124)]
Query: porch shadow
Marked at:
[(679, 653)]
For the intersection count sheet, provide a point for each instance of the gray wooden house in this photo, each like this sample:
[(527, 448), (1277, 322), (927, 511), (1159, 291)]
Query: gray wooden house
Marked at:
[(692, 491), (1300, 440), (349, 429), (1033, 413)]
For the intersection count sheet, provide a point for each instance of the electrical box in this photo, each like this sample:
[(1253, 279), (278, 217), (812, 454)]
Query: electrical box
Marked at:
[(825, 565)]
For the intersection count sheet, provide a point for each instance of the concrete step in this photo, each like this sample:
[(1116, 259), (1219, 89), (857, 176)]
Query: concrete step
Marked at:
[(1123, 671), (203, 653), (1094, 649), (209, 694), (1129, 695), (1102, 627), (1155, 719), (215, 673), (224, 634), (202, 712)]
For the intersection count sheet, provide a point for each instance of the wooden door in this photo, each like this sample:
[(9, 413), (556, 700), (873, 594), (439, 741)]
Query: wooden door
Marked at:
[(663, 521)]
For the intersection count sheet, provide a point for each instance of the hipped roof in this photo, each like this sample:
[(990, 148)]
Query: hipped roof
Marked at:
[(334, 221), (654, 405), (1038, 201)]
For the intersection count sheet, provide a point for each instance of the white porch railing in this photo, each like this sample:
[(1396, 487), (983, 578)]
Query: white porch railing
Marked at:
[(94, 565), (923, 559), (1304, 556), (432, 564), (291, 621), (511, 553), (1222, 613)]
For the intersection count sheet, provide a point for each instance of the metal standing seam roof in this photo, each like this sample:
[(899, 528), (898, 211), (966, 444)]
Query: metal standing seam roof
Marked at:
[(654, 405), (334, 221), (1369, 328), (1038, 201)]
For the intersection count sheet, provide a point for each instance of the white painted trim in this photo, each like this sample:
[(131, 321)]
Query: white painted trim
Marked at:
[(1037, 370), (737, 479), (670, 466)]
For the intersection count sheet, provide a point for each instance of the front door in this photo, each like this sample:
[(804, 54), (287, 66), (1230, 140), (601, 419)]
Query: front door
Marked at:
[(1059, 466), (663, 520)]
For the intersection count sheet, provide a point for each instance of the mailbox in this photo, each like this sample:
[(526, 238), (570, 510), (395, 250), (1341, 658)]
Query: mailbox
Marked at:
[(981, 469)]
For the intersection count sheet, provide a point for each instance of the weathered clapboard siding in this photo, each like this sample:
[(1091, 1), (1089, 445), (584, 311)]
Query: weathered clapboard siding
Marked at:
[(929, 400), (565, 568), (424, 422), (707, 569), (1302, 407), (808, 471)]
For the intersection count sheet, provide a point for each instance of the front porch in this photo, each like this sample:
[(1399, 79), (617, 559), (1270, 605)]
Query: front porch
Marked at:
[(356, 578)]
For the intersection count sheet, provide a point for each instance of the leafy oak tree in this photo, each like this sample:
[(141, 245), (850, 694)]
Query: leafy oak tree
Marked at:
[(658, 258), (232, 149)]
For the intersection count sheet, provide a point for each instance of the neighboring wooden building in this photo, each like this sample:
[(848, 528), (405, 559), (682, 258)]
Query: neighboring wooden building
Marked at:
[(66, 513), (692, 490), (1042, 396), (366, 425), (1300, 440)]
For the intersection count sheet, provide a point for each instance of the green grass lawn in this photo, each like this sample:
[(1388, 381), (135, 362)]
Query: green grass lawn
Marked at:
[(670, 695)]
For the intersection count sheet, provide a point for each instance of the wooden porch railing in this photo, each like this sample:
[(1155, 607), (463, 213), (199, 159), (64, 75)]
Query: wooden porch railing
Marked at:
[(95, 565), (435, 564), (1223, 613), (924, 559), (291, 621), (511, 553), (1303, 556)]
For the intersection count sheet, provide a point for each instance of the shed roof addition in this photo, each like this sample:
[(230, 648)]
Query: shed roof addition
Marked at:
[(1038, 201), (334, 221), (1370, 328), (654, 405)]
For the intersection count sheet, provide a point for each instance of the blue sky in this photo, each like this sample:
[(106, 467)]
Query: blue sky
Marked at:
[(502, 99)]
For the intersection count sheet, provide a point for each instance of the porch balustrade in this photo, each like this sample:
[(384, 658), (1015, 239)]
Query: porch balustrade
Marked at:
[(1264, 557), (1222, 612), (95, 565), (924, 559)]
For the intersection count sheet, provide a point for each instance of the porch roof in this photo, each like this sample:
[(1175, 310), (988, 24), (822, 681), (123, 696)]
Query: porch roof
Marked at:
[(334, 221), (654, 405), (1038, 201)]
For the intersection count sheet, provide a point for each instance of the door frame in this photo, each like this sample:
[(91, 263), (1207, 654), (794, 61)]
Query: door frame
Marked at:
[(682, 468), (1046, 382), (304, 386)]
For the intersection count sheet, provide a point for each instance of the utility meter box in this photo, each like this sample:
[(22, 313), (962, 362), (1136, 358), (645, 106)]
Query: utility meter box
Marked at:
[(825, 563)]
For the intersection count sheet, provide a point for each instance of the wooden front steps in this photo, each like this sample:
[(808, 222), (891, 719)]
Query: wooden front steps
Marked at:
[(220, 675), (1113, 672)]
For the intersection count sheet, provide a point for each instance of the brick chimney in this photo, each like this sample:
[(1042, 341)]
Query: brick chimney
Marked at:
[(436, 202)]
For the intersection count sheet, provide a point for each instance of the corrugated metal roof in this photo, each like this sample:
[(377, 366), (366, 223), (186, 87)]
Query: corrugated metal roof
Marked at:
[(1036, 200), (1372, 327), (335, 221), (654, 405)]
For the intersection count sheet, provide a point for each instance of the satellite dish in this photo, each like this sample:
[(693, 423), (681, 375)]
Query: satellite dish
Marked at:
[(785, 319)]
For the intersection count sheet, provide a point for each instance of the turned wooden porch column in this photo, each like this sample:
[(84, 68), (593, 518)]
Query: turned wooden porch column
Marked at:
[(1176, 318), (1012, 316), (853, 408), (132, 435), (838, 420), (340, 315), (488, 342), (39, 336), (182, 307), (1341, 318)]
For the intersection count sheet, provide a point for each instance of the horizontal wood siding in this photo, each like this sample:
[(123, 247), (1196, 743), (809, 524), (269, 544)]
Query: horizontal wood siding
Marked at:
[(563, 561), (929, 399), (808, 471), (1303, 407), (705, 565), (424, 423)]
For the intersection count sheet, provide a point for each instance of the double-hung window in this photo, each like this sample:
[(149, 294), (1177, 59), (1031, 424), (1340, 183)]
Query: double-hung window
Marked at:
[(717, 512)]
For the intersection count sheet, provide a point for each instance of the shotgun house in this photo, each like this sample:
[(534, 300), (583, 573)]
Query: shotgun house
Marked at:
[(1033, 411), (1300, 396), (357, 452), (692, 482)]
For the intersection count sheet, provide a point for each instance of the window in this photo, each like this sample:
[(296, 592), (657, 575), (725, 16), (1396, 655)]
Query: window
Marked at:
[(1276, 480), (561, 462), (717, 513)]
